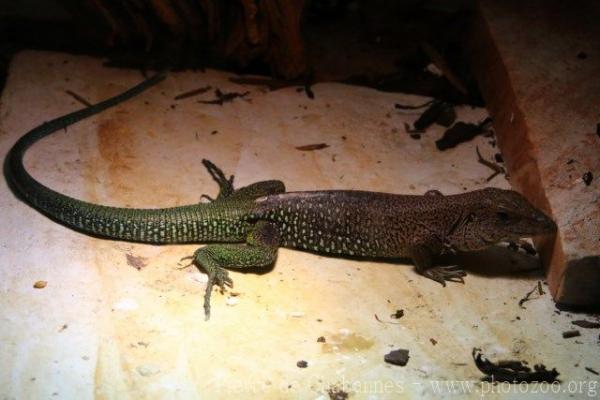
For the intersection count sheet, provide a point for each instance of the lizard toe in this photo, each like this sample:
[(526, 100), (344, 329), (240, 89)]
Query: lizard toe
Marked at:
[(445, 274), (222, 278)]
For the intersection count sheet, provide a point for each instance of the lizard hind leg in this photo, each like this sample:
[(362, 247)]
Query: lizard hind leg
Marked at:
[(225, 184), (252, 191), (259, 189), (260, 250)]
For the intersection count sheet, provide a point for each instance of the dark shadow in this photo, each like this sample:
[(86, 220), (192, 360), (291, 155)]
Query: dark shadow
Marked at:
[(591, 310), (497, 261)]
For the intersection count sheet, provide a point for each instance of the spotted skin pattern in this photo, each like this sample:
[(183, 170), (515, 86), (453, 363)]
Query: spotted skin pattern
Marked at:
[(338, 222), (246, 226)]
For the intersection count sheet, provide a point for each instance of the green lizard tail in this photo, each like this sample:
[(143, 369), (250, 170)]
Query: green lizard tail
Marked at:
[(218, 221)]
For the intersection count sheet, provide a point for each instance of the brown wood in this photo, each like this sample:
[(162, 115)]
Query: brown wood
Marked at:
[(239, 32), (536, 99)]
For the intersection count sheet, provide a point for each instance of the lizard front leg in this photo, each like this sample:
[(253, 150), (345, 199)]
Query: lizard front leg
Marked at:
[(260, 250), (423, 258)]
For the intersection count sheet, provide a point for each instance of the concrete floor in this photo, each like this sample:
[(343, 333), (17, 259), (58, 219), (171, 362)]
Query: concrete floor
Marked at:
[(103, 329)]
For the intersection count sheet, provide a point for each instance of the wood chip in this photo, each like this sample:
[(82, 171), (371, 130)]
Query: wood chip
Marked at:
[(571, 334), (512, 370), (224, 97), (194, 92), (436, 111), (582, 323), (397, 357), (312, 147), (461, 132), (40, 284)]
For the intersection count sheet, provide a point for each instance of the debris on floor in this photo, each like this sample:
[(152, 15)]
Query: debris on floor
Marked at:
[(461, 132), (192, 93), (583, 323), (512, 370), (40, 284), (527, 297), (571, 334), (224, 97), (397, 357), (312, 147)]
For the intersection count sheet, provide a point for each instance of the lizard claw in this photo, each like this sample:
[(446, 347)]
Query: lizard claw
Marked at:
[(222, 278), (451, 273)]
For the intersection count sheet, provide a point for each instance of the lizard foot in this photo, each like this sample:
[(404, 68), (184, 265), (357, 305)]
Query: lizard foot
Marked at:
[(249, 192), (451, 273), (206, 259), (259, 250), (225, 184), (219, 277)]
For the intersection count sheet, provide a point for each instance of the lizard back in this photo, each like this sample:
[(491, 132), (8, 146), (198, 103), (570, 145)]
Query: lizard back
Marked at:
[(355, 223)]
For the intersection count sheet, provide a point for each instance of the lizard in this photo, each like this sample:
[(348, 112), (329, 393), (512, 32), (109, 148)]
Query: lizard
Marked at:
[(244, 227)]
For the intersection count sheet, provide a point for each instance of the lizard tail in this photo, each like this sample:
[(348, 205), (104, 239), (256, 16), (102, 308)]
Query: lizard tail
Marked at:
[(15, 171), (147, 225), (197, 222)]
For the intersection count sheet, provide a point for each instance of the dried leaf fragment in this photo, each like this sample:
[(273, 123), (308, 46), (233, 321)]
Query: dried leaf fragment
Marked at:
[(40, 284), (312, 147)]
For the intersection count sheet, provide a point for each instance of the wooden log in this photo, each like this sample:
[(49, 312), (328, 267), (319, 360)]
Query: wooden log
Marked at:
[(241, 32)]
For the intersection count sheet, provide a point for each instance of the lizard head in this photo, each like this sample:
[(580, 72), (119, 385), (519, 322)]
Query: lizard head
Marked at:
[(496, 215)]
